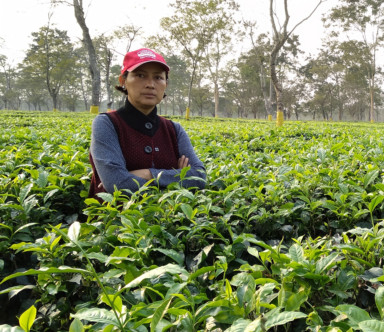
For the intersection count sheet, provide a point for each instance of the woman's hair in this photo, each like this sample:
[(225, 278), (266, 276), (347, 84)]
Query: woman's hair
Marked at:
[(123, 89)]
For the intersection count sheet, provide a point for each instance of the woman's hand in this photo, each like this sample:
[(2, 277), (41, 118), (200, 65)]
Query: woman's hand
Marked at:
[(183, 162)]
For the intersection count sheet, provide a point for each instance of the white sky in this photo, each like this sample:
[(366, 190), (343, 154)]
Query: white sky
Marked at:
[(19, 18)]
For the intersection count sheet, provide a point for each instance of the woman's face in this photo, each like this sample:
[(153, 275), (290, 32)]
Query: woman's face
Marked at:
[(146, 86)]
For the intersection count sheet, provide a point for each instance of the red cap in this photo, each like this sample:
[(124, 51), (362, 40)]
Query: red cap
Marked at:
[(134, 59)]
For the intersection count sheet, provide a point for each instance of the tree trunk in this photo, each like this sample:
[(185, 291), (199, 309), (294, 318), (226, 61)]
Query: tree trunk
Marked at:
[(107, 78), (264, 89), (216, 100), (93, 66), (372, 95)]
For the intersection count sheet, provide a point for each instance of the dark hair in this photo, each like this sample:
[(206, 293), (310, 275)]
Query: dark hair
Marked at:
[(122, 88)]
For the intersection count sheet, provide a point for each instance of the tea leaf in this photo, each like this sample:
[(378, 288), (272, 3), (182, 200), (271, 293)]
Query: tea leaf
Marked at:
[(8, 328), (74, 231), (201, 271), (46, 270), (159, 314), (283, 318), (24, 192), (326, 262), (371, 326), (354, 313), (188, 211), (97, 315), (370, 177), (239, 325), (295, 301), (27, 319), (178, 257), (50, 194), (76, 326), (297, 253), (112, 301), (375, 202), (169, 268), (42, 180), (379, 299)]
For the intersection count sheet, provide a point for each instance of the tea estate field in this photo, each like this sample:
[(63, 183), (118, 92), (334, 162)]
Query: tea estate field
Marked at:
[(286, 236)]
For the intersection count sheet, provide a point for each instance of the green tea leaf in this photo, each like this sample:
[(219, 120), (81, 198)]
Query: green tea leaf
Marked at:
[(24, 191), (16, 290), (49, 194), (201, 271), (97, 315), (370, 177), (187, 210), (42, 180), (296, 252), (178, 257), (8, 328), (228, 289), (283, 318), (354, 313), (27, 318), (46, 270), (371, 326), (76, 326), (74, 231), (169, 268), (239, 325), (379, 299), (112, 301), (159, 314), (326, 263), (295, 301), (375, 202)]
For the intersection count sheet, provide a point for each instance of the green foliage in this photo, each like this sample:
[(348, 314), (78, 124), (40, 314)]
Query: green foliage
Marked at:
[(286, 236)]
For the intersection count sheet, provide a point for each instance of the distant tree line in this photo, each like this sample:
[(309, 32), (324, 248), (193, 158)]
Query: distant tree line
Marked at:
[(343, 81)]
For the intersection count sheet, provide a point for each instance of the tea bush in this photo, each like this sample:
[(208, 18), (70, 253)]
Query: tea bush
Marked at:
[(287, 235)]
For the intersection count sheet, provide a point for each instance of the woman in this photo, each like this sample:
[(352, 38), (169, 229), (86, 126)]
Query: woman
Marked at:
[(133, 145)]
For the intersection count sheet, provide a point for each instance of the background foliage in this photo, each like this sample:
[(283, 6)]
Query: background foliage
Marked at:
[(220, 63)]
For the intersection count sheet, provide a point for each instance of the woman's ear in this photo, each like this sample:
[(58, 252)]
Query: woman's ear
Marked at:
[(121, 80)]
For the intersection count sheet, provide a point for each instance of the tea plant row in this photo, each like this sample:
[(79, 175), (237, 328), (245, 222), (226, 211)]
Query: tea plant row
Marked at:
[(286, 236)]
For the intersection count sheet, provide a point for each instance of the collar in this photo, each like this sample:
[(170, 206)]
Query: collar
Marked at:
[(145, 124)]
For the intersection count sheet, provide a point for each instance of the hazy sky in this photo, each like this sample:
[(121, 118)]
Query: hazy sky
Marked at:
[(22, 17)]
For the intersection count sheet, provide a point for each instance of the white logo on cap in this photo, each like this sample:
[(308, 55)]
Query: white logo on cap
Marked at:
[(146, 54)]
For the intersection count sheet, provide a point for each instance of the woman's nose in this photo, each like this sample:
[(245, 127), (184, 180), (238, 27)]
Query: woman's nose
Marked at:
[(150, 83)]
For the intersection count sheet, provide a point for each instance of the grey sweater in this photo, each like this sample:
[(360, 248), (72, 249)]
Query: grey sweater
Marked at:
[(110, 163)]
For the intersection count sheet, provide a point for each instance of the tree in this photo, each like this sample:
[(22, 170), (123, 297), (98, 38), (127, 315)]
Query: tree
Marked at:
[(193, 27), (366, 17), (8, 78), (261, 47), (106, 50), (50, 60), (280, 36), (221, 44), (177, 84), (92, 57)]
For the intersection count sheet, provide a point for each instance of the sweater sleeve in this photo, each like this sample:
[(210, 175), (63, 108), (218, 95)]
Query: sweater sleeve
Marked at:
[(196, 173), (108, 157)]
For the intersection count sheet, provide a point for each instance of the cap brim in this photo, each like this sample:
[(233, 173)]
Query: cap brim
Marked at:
[(142, 63)]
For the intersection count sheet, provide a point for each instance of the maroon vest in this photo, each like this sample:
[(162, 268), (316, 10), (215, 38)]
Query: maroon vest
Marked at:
[(142, 151)]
